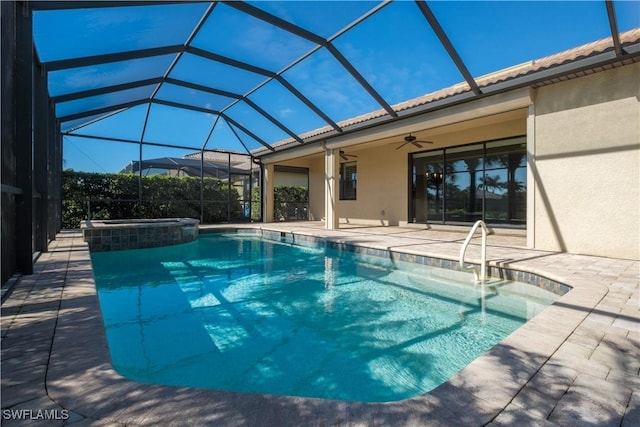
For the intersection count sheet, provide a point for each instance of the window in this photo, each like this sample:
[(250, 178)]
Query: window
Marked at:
[(466, 183), (348, 181), (462, 191), (505, 183)]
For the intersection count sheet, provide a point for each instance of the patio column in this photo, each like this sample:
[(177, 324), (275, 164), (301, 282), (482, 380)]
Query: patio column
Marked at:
[(331, 216), (531, 176), (267, 193)]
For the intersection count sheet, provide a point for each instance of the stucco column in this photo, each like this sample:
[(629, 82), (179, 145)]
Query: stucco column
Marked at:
[(331, 217), (267, 203), (531, 176)]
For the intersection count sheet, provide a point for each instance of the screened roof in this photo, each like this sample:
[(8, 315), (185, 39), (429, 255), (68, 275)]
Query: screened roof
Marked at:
[(242, 76)]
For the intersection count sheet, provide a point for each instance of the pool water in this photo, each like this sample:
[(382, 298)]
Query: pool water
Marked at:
[(237, 313)]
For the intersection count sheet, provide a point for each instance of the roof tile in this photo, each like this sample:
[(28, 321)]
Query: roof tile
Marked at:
[(586, 50)]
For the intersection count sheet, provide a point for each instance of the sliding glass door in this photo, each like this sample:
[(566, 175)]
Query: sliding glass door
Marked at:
[(427, 187), (505, 183), (463, 196), (466, 183)]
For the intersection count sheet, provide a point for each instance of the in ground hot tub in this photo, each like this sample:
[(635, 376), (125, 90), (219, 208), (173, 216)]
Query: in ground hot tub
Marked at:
[(119, 234)]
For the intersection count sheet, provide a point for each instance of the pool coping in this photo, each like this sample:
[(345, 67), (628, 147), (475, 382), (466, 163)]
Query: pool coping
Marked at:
[(79, 377), (494, 270)]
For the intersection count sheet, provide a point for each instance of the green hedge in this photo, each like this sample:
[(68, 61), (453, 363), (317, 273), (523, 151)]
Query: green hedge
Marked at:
[(256, 214), (115, 196), (290, 203)]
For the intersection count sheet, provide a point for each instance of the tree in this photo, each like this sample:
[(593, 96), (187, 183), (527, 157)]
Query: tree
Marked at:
[(511, 162), (489, 183)]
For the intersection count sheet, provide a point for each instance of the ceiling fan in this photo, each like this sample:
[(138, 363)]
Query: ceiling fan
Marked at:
[(410, 139), (345, 156)]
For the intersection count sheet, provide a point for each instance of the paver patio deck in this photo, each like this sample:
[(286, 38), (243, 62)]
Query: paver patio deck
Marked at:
[(575, 364)]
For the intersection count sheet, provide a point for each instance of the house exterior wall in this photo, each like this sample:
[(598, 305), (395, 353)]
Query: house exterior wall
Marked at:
[(383, 171), (584, 166), (587, 165), (290, 178), (316, 188), (381, 188), (315, 165)]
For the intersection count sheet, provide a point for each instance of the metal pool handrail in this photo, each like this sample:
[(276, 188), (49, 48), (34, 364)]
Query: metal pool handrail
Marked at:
[(481, 275)]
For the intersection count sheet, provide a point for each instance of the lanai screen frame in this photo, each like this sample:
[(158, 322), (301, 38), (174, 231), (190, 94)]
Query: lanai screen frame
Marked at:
[(31, 229), (388, 113)]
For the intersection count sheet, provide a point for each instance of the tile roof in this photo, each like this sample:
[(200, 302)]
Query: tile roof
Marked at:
[(529, 67), (219, 156)]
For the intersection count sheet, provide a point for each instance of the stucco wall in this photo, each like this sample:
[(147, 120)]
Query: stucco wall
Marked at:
[(289, 178), (382, 186), (315, 165), (316, 188), (587, 164), (383, 170)]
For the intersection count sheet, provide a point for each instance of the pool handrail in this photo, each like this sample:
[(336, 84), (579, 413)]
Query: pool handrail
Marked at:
[(479, 276)]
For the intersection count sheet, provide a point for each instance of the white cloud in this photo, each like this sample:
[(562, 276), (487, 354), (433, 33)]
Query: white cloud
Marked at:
[(286, 112)]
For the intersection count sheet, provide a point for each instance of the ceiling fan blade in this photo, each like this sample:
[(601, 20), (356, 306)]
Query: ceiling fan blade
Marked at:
[(416, 144), (344, 156), (401, 145)]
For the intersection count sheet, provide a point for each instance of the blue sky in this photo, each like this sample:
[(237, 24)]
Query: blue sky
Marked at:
[(394, 49)]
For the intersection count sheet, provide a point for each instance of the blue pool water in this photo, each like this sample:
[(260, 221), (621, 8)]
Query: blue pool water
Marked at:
[(234, 312)]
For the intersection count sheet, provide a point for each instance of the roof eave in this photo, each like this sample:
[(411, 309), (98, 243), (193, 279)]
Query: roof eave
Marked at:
[(531, 79)]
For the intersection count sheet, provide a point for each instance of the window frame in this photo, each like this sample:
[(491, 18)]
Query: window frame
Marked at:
[(414, 213), (353, 181)]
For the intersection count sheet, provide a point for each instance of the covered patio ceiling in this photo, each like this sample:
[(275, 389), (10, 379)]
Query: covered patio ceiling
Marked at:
[(254, 77)]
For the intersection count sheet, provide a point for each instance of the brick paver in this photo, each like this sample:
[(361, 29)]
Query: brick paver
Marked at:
[(577, 363)]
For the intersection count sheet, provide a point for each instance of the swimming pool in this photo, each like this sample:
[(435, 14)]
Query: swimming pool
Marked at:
[(239, 313)]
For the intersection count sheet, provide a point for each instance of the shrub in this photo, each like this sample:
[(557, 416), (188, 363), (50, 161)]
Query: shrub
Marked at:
[(116, 196), (290, 202)]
